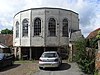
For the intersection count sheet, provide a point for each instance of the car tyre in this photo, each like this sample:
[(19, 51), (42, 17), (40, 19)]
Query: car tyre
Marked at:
[(11, 63)]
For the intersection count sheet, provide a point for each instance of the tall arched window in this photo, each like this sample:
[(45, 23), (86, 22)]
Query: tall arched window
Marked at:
[(17, 29), (52, 27), (65, 28), (37, 27), (25, 23)]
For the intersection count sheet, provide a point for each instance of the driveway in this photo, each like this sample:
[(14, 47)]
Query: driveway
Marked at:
[(20, 68), (65, 69)]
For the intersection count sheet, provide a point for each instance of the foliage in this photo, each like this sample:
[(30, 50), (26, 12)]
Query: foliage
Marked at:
[(98, 34), (85, 57), (6, 31), (96, 72), (92, 43)]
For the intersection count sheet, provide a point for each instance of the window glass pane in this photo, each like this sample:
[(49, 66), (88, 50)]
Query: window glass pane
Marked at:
[(37, 27), (65, 28), (52, 27), (17, 29), (25, 27), (49, 55)]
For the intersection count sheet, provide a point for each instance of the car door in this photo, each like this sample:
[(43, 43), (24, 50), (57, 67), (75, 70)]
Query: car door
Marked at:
[(5, 62)]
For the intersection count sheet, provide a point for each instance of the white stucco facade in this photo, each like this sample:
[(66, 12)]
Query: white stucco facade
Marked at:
[(43, 39)]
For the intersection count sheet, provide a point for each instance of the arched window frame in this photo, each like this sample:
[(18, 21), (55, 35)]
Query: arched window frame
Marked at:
[(37, 26), (52, 27), (65, 27), (17, 29), (25, 24)]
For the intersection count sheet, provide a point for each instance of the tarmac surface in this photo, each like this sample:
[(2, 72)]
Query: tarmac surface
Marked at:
[(64, 69)]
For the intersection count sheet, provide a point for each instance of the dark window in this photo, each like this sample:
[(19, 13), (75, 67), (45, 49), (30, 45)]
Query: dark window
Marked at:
[(25, 23), (17, 29), (52, 27), (65, 28), (37, 27)]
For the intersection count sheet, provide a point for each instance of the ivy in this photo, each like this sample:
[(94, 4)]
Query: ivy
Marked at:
[(85, 57)]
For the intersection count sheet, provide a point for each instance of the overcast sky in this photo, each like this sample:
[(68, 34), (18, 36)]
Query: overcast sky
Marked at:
[(88, 10)]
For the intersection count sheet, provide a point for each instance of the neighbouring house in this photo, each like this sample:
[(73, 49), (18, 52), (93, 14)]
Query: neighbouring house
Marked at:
[(37, 30), (93, 34), (6, 43)]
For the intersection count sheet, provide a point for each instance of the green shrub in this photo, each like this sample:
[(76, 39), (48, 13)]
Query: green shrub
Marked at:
[(83, 57)]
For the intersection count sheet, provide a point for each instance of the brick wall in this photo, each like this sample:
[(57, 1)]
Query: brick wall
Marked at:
[(97, 61)]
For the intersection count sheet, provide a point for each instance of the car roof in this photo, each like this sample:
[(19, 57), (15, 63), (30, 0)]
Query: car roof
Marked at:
[(50, 52), (1, 54)]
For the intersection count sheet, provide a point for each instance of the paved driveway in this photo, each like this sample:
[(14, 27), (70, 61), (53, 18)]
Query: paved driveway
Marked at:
[(65, 69), (20, 68)]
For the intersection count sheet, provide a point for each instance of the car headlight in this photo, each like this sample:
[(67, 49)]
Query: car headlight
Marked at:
[(40, 60), (56, 60)]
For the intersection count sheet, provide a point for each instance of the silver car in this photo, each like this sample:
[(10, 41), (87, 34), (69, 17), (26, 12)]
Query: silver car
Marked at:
[(49, 59)]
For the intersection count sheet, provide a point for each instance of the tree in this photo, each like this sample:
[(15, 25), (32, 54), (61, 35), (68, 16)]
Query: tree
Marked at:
[(6, 31)]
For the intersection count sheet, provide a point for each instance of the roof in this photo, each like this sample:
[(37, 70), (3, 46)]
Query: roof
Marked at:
[(45, 8), (6, 39), (93, 34)]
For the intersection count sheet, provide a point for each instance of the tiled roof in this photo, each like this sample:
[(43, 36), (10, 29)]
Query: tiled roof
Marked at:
[(93, 34), (6, 39)]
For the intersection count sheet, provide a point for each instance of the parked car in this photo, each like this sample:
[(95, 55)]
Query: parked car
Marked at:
[(49, 59), (6, 59)]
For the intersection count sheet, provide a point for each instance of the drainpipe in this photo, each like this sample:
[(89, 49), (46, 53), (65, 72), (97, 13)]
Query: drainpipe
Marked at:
[(45, 33), (30, 50), (19, 51)]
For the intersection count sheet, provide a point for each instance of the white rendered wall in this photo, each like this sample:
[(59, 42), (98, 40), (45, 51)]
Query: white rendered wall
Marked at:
[(16, 41), (38, 40), (44, 39), (25, 41)]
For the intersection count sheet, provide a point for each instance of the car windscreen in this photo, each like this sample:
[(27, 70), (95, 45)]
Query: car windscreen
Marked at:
[(1, 56), (49, 55)]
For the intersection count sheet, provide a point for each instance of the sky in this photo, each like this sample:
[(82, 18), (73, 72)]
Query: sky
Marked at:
[(88, 10)]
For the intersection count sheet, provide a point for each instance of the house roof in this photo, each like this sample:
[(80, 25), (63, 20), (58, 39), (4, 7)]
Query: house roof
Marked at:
[(45, 8), (6, 39), (93, 34)]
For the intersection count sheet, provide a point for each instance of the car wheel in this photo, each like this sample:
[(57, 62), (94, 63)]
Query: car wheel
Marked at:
[(11, 63)]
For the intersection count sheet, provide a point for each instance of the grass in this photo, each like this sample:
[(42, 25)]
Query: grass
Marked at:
[(25, 61), (22, 61)]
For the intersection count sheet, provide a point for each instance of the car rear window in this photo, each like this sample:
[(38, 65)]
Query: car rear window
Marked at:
[(49, 55)]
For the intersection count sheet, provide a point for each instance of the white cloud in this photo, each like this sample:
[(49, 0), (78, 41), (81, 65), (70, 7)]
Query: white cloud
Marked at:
[(88, 11)]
